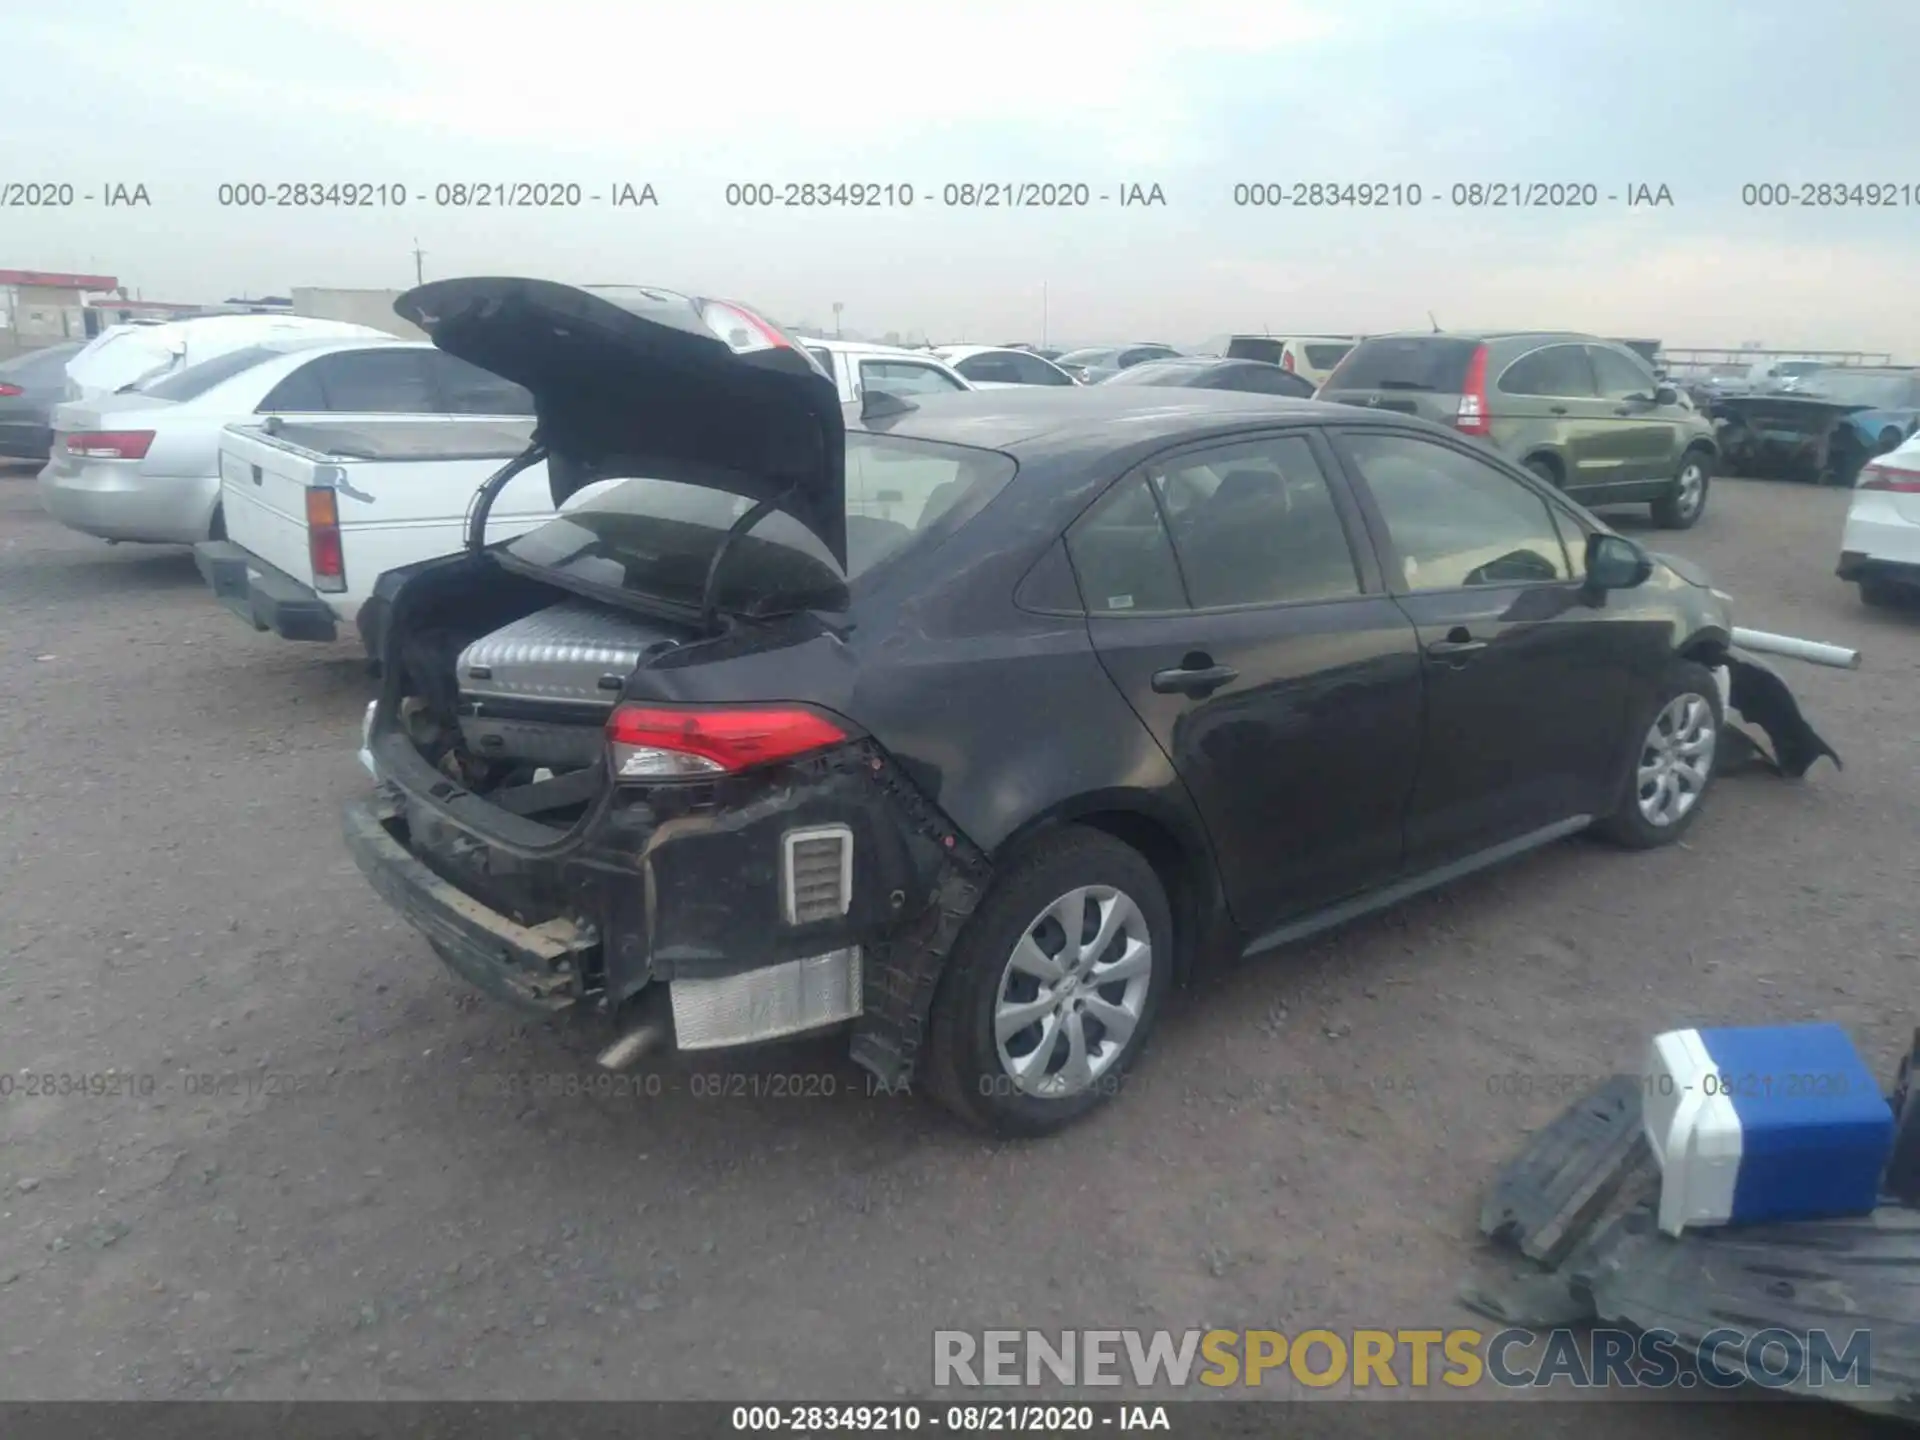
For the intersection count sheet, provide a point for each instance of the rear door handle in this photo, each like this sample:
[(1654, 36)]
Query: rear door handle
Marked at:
[(1202, 680), (1556, 409)]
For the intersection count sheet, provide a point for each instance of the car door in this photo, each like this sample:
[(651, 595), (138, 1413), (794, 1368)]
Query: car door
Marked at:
[(1645, 435), (1227, 599), (1527, 675), (904, 378), (1549, 404)]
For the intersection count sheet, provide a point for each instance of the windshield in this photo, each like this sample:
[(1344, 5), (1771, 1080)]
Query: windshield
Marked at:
[(1254, 347), (657, 537), (1858, 389)]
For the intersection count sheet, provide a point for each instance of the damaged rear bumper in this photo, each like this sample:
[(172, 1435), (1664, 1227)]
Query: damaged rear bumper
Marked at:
[(680, 898)]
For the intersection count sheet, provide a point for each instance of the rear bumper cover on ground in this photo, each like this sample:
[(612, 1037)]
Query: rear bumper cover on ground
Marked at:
[(264, 597), (1577, 1210)]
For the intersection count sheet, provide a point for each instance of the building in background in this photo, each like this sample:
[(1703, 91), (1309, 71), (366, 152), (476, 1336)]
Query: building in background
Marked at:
[(357, 307), (46, 307)]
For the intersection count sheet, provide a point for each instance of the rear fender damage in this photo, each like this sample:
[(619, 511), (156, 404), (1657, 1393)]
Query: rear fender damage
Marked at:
[(1762, 698), (917, 880)]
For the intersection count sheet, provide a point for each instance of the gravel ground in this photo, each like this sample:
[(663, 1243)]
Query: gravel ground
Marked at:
[(369, 1203)]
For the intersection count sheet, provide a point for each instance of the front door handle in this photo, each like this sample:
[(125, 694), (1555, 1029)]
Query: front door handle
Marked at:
[(1198, 680), (1458, 645)]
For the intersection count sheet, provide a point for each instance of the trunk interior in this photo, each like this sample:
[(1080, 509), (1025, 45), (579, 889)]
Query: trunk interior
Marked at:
[(505, 686)]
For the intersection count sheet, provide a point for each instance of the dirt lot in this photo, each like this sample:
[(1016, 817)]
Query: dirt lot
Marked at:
[(364, 1199)]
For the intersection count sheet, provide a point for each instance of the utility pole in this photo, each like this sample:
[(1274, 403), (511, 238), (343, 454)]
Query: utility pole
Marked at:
[(418, 256), (838, 306)]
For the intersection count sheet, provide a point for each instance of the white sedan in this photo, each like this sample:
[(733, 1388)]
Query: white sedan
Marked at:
[(145, 465), (1880, 546), (125, 355), (990, 367)]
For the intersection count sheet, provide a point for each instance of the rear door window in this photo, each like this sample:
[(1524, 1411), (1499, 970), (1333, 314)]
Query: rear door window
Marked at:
[(1256, 524), (1032, 370), (1122, 555), (905, 377), (1436, 363), (1559, 370), (468, 390)]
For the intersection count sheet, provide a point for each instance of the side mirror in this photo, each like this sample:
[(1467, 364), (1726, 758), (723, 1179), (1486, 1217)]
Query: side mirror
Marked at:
[(1666, 395), (1616, 563)]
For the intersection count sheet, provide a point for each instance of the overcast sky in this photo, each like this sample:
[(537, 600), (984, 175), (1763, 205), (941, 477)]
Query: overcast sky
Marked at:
[(1702, 96)]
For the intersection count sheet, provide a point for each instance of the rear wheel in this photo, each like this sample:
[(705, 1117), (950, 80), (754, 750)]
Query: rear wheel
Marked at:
[(1053, 987), (1687, 500), (1676, 743), (1545, 470)]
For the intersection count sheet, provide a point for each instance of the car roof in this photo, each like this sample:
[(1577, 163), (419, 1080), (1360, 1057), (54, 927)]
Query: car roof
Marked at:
[(1032, 420), (1283, 339), (1485, 336), (866, 347)]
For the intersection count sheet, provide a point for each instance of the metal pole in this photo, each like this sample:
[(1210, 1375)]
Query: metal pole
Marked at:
[(1043, 315), (1839, 657)]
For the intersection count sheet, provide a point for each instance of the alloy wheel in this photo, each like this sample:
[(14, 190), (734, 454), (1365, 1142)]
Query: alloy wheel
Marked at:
[(1073, 992), (1693, 486), (1676, 759)]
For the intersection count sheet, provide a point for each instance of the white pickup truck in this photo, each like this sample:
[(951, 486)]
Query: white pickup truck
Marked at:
[(316, 511)]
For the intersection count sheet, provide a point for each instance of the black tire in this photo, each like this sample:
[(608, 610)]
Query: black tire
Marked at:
[(1879, 593), (1544, 469), (1680, 508), (1628, 826), (963, 1068)]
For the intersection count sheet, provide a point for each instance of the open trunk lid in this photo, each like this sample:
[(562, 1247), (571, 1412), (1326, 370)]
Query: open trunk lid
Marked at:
[(633, 380)]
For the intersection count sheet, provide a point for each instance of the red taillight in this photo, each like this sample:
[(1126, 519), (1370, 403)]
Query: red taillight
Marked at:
[(1472, 417), (740, 328), (653, 742), (323, 540), (1286, 361), (11, 390), (1879, 475), (110, 444)]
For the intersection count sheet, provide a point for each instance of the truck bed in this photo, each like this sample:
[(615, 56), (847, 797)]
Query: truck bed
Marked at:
[(401, 438)]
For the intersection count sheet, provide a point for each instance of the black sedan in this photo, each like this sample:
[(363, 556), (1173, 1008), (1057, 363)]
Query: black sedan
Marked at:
[(31, 384), (973, 723), (1206, 372)]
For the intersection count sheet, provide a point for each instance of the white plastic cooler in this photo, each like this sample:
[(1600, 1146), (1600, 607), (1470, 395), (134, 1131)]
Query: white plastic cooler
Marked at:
[(1779, 1122)]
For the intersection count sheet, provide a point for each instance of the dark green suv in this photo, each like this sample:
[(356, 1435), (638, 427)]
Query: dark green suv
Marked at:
[(1585, 414)]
